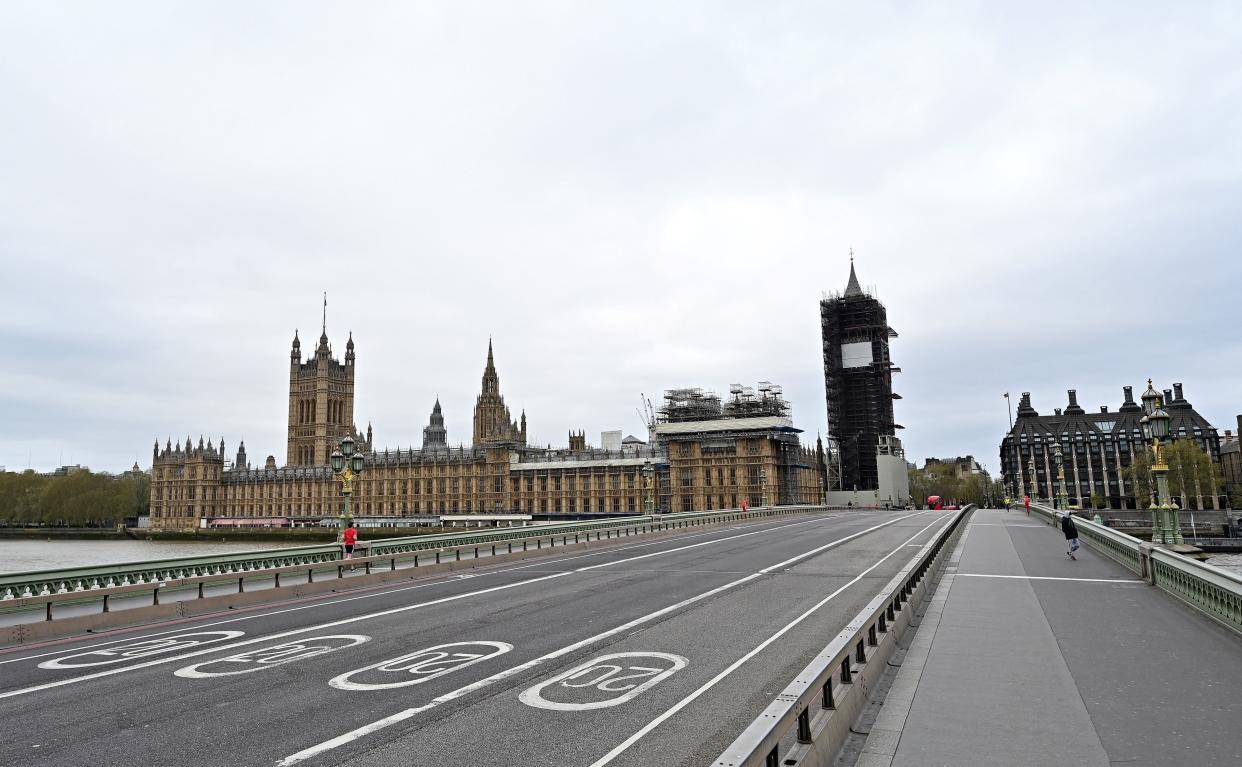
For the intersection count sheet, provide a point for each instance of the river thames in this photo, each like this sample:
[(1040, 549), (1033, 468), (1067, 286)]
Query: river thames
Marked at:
[(25, 554)]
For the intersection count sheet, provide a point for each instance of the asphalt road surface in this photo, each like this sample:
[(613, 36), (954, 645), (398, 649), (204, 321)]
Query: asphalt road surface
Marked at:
[(642, 653)]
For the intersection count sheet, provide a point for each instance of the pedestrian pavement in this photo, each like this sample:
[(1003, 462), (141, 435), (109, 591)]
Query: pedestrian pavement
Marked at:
[(1025, 657)]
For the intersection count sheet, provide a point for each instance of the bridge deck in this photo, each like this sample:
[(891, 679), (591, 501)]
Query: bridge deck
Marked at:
[(652, 651), (1028, 658)]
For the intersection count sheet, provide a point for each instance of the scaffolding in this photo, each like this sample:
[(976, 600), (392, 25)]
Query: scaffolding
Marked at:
[(858, 384), (682, 405)]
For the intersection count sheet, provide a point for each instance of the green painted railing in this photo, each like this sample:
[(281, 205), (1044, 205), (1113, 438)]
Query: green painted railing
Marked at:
[(86, 579)]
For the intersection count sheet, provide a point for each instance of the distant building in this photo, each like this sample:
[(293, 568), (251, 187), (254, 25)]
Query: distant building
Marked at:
[(962, 466), (858, 384), (1096, 448), (745, 449), (1231, 460)]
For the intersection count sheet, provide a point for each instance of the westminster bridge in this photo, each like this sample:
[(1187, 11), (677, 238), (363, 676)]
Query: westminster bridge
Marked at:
[(789, 635)]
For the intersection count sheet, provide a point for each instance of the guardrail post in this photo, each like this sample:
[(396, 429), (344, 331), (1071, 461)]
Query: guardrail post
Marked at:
[(871, 635), (883, 624), (200, 589), (860, 653), (310, 575), (48, 611), (155, 600), (340, 571), (774, 757), (367, 567), (804, 726), (105, 603), (437, 557), (241, 585), (277, 580), (847, 675), (393, 562), (826, 696)]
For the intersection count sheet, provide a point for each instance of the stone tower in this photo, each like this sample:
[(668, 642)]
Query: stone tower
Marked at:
[(434, 434), (321, 401), (492, 420), (858, 381)]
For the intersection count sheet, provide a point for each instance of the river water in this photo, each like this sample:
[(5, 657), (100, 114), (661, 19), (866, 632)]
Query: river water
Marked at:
[(24, 554)]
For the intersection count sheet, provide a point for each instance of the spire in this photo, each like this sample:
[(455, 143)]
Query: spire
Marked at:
[(853, 288), (491, 364), (323, 335)]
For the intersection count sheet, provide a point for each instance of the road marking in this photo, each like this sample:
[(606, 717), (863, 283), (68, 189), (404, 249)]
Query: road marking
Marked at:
[(606, 677), (276, 655), (140, 649), (625, 744), (422, 665), (448, 697), (1049, 578), (394, 611), (447, 580)]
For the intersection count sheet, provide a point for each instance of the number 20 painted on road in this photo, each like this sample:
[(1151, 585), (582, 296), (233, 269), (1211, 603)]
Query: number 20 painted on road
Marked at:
[(608, 677), (421, 666)]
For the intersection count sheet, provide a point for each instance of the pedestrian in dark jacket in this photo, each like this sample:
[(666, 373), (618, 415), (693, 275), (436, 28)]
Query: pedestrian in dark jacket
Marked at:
[(1071, 533)]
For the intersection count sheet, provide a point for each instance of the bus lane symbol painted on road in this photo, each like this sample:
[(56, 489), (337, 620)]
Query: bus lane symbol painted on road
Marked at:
[(140, 649), (270, 657), (603, 682), (420, 666)]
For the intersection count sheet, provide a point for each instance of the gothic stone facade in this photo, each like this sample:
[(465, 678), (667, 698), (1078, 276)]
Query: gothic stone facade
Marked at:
[(694, 470)]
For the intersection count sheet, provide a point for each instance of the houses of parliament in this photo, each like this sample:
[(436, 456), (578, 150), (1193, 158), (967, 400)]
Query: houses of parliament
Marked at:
[(703, 453)]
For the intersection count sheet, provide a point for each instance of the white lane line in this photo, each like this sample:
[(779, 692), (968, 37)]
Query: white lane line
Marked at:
[(625, 744), (1048, 578), (380, 614), (401, 716), (387, 591)]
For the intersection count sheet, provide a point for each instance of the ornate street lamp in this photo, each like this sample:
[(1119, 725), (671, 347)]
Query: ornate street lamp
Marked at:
[(346, 465), (763, 488), (1062, 497), (1165, 526), (648, 489)]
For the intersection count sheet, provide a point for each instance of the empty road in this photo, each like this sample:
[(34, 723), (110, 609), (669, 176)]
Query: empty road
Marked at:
[(643, 652)]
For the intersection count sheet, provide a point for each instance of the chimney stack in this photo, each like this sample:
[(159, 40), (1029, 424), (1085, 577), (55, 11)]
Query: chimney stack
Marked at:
[(1129, 405), (1058, 411), (1103, 408), (1073, 408), (1168, 397)]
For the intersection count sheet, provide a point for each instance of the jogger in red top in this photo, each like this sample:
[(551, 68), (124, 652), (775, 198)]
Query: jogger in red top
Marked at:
[(1026, 501), (350, 538)]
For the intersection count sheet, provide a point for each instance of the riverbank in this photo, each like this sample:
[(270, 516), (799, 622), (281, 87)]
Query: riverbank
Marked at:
[(65, 533), (277, 535)]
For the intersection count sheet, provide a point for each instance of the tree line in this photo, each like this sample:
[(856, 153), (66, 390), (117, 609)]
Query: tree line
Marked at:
[(78, 499), (948, 482)]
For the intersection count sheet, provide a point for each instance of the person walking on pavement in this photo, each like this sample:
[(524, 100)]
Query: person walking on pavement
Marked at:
[(1026, 500), (1071, 533)]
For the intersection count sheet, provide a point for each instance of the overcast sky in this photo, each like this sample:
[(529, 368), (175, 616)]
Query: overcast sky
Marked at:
[(627, 196)]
